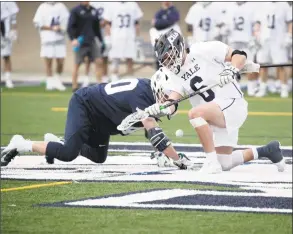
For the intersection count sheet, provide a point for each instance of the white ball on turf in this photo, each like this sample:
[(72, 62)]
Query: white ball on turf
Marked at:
[(179, 133)]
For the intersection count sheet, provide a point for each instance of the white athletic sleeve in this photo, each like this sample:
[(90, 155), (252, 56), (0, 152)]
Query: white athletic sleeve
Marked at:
[(64, 16), (191, 14), (38, 18), (213, 50), (137, 12), (289, 14), (107, 15), (8, 9)]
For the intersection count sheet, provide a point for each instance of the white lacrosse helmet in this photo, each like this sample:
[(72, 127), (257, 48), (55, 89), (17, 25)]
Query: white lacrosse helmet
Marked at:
[(159, 84)]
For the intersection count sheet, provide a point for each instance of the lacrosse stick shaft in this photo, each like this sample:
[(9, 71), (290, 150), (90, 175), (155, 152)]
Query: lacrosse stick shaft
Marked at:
[(189, 96)]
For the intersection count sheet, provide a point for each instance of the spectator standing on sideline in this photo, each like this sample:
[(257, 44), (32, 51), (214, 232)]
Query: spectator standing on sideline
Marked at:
[(165, 19), (9, 11), (51, 19), (84, 23)]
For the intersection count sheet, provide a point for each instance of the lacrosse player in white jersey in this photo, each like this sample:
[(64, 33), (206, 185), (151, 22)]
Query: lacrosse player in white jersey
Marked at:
[(9, 11), (203, 20), (275, 36), (122, 24), (51, 20), (240, 24), (102, 8), (218, 113)]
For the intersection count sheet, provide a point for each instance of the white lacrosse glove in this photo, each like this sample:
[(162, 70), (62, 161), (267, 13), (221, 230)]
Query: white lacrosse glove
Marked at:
[(154, 110), (183, 162), (228, 75), (162, 159), (287, 43)]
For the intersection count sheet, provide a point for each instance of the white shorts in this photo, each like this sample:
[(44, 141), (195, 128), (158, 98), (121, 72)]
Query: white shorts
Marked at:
[(123, 48), (6, 47), (54, 50), (272, 52), (235, 113), (243, 46)]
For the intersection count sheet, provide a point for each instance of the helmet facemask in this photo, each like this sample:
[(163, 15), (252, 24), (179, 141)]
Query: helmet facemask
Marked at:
[(169, 51)]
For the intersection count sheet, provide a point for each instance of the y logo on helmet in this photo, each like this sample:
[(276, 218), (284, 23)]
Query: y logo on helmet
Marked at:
[(171, 38)]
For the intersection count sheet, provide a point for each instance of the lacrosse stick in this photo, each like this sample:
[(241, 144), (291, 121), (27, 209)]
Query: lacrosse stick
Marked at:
[(141, 115)]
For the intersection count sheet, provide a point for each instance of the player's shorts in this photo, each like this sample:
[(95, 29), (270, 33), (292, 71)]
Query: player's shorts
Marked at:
[(124, 48), (53, 50), (6, 47), (272, 52), (242, 46), (92, 51), (235, 113)]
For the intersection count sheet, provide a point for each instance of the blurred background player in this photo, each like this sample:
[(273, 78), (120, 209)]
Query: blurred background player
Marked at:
[(84, 22), (9, 11), (166, 18), (240, 23), (51, 19), (274, 33), (101, 8), (122, 24), (203, 21)]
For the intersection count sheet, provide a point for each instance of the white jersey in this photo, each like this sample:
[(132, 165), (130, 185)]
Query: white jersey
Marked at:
[(49, 15), (101, 7), (274, 18), (240, 22), (123, 17), (8, 9), (204, 20), (202, 66)]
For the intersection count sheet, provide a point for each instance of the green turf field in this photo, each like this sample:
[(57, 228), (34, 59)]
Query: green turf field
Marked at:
[(28, 111)]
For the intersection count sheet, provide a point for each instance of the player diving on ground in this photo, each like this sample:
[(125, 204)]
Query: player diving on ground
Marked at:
[(93, 116), (218, 113)]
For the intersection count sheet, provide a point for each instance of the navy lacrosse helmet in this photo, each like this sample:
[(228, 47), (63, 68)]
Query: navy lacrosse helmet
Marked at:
[(169, 50)]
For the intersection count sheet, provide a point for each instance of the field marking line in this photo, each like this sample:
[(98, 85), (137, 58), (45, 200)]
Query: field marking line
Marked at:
[(32, 94), (63, 109), (36, 186)]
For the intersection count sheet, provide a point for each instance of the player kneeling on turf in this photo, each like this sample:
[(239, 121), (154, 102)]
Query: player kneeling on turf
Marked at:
[(93, 116), (211, 70)]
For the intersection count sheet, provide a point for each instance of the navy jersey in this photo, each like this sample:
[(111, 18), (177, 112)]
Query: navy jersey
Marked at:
[(117, 100)]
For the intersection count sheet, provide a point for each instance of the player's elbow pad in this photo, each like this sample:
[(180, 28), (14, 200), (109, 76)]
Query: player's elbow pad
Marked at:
[(158, 139)]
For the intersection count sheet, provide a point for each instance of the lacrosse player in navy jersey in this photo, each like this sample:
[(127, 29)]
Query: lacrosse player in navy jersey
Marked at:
[(93, 116)]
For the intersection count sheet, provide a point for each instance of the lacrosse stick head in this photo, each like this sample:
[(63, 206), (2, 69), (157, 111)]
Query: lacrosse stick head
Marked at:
[(132, 119)]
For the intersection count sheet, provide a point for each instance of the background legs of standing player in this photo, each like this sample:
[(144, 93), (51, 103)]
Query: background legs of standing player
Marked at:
[(49, 73), (115, 69), (105, 78), (7, 72), (251, 83), (263, 78), (75, 77), (59, 70), (129, 62), (282, 76), (99, 69), (86, 78)]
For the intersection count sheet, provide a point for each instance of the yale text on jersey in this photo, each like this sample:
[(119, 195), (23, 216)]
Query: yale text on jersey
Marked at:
[(189, 73)]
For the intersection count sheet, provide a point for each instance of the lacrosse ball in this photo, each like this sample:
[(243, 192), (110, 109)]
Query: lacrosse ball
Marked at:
[(179, 133)]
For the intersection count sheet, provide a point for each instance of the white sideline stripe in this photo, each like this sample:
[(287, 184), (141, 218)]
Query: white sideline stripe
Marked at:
[(178, 144)]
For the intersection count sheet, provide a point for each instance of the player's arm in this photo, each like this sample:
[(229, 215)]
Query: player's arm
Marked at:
[(162, 143)]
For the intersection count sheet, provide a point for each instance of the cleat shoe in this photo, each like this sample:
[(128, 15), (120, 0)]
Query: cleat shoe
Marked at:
[(16, 145), (51, 137), (211, 167), (9, 84), (8, 156), (273, 152)]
